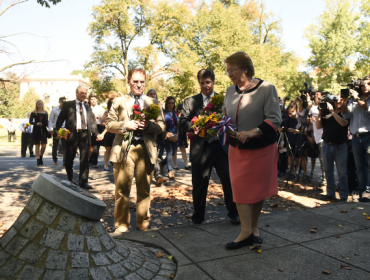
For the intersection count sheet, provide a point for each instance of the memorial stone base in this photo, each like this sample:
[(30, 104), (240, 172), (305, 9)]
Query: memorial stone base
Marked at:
[(58, 235)]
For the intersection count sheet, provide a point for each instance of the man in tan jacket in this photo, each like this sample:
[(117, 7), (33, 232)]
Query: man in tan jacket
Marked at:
[(142, 156)]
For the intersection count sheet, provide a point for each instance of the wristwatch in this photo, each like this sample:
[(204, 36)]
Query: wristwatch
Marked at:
[(124, 129), (259, 131)]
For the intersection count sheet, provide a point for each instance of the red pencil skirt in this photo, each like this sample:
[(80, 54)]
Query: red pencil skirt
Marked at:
[(253, 174)]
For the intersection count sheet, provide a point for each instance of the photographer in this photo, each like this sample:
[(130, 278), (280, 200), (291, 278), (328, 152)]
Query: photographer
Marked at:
[(314, 112), (359, 113), (334, 147)]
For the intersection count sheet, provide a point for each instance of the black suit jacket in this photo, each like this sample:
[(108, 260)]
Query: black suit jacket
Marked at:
[(193, 106), (68, 114)]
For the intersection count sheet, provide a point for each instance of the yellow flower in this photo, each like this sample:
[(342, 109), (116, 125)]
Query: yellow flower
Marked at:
[(201, 133)]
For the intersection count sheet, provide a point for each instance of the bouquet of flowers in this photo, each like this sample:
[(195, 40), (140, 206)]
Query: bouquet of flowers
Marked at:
[(26, 126), (225, 127), (63, 133), (203, 126), (215, 105), (149, 113), (212, 123)]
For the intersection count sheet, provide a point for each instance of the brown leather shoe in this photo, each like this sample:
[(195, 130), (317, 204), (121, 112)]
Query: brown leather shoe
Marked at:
[(171, 175), (160, 182), (143, 225), (119, 231)]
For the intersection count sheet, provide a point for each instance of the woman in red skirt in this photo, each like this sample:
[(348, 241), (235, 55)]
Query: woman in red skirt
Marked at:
[(253, 106)]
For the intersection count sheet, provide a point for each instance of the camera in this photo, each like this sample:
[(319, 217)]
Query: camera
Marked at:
[(354, 84), (306, 91), (287, 98), (327, 98)]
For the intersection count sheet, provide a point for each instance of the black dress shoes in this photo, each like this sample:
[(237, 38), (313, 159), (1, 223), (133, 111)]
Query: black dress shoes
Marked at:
[(258, 239), (32, 155), (197, 221), (73, 182), (236, 245), (86, 186), (235, 220)]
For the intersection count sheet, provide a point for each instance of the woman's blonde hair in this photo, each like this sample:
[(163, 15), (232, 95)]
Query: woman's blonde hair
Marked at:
[(36, 105), (243, 61)]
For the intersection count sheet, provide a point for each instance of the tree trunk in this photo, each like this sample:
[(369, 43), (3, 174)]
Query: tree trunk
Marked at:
[(126, 72)]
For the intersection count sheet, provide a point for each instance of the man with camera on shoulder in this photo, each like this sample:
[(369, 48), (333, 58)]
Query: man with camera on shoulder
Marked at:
[(334, 145), (358, 111)]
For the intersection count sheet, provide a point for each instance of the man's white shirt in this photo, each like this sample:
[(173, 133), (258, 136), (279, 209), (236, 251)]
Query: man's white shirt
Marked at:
[(207, 99), (78, 116)]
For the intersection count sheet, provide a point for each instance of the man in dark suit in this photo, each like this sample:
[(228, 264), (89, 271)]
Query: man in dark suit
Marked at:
[(79, 121), (206, 154)]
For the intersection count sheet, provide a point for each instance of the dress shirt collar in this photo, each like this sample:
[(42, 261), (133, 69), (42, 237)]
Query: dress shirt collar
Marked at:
[(204, 96), (140, 96), (78, 102)]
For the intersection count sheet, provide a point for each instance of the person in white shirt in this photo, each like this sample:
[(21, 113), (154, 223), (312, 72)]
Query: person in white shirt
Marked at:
[(314, 112), (52, 122), (26, 139), (98, 113), (11, 130)]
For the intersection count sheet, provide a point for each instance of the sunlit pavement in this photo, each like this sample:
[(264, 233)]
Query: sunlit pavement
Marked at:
[(303, 237)]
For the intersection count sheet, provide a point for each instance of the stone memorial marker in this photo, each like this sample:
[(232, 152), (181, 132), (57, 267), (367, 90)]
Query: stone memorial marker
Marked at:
[(58, 235)]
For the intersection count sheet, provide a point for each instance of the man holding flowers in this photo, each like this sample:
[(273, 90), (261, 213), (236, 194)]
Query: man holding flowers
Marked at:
[(135, 119), (206, 151)]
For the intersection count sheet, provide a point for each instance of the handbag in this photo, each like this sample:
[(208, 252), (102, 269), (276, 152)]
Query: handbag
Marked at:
[(171, 137)]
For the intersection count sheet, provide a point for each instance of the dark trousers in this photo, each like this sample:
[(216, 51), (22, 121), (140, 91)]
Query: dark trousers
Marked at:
[(55, 148), (26, 141), (283, 162), (61, 146), (95, 154), (57, 145), (351, 169), (212, 156), (81, 142)]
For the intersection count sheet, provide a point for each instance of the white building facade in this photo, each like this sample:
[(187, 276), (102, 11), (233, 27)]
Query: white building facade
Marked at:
[(51, 88)]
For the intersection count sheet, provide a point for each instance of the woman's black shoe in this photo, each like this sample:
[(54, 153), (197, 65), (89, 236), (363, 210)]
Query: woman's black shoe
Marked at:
[(236, 245), (41, 162), (38, 162), (258, 239)]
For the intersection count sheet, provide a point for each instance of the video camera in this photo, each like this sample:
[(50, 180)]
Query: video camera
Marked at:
[(327, 97), (354, 84), (306, 91)]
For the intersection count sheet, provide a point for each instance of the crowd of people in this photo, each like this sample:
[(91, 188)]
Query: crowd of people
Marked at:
[(246, 166), (339, 135)]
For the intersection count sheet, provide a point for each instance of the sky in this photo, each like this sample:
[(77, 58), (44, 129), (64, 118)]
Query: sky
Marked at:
[(60, 33)]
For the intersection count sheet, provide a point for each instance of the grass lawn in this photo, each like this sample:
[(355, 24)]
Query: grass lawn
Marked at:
[(4, 138)]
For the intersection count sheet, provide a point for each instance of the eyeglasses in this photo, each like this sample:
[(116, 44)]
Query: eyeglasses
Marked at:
[(139, 82), (231, 71)]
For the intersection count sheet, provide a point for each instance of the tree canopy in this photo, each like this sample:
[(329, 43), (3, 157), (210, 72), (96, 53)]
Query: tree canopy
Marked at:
[(182, 38)]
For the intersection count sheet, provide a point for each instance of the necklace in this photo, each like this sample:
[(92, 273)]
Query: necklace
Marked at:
[(247, 86)]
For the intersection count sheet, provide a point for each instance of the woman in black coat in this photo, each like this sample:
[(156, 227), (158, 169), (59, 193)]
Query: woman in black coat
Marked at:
[(39, 120)]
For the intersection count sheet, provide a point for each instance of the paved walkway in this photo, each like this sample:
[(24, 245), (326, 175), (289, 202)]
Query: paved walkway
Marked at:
[(290, 251), (338, 250)]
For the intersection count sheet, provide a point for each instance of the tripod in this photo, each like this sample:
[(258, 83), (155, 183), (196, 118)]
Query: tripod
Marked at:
[(298, 146)]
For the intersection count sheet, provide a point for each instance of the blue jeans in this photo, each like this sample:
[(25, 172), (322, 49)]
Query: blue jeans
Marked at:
[(339, 155), (171, 149), (361, 151)]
